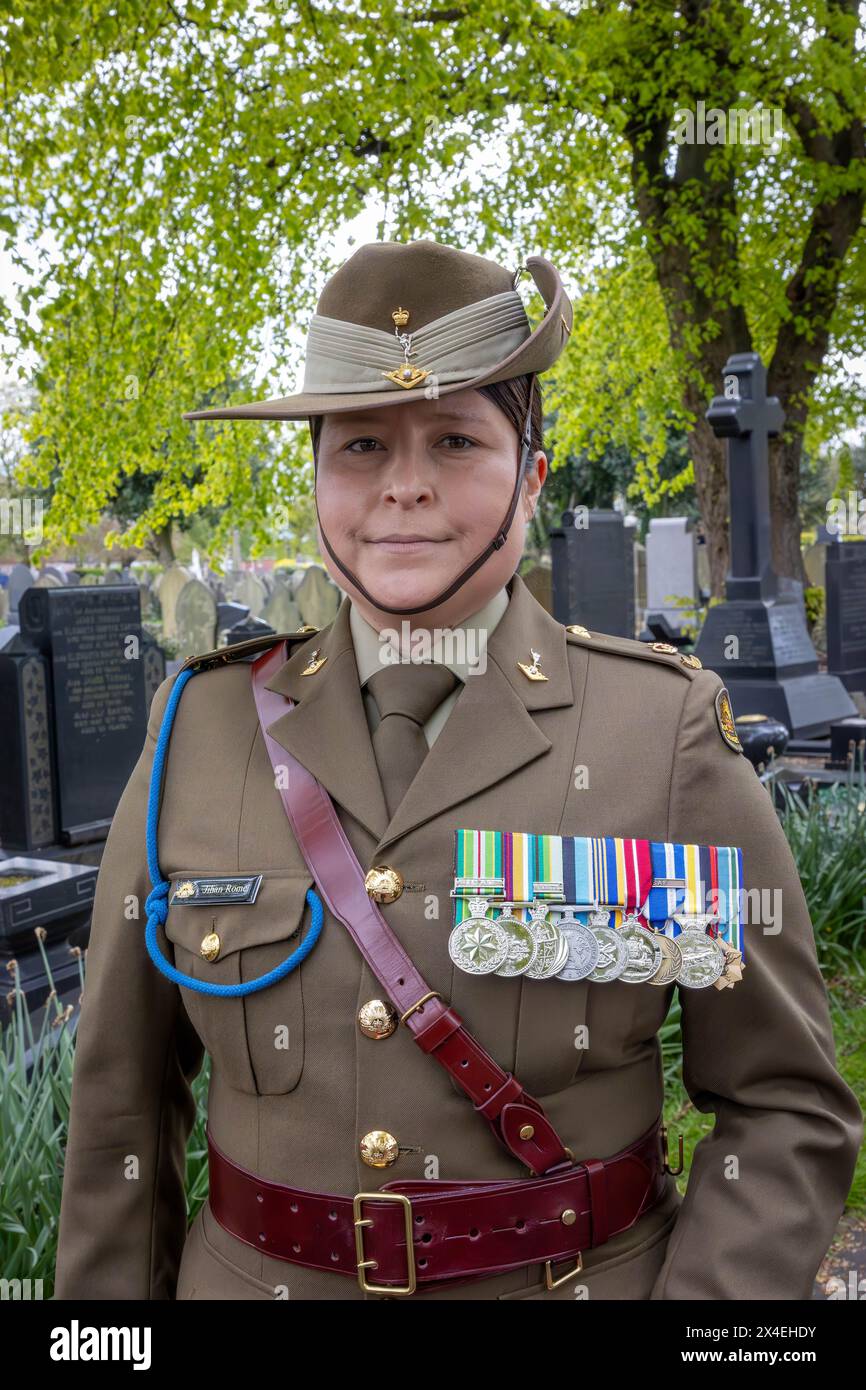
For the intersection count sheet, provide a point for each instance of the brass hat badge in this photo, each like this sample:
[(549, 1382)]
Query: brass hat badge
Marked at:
[(408, 374)]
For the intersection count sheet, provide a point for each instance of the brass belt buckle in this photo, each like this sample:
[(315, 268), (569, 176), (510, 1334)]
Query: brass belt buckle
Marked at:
[(362, 1263), (563, 1278)]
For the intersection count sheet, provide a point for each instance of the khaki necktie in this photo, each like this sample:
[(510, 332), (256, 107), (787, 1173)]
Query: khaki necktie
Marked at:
[(406, 695)]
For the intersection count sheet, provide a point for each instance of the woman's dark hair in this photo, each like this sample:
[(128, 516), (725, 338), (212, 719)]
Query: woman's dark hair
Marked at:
[(512, 398)]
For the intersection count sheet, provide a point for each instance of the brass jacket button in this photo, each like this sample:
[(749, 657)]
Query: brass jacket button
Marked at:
[(210, 946), (379, 1148), (377, 1018), (383, 883)]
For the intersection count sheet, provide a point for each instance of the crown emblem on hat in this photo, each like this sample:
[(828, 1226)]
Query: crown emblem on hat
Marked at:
[(407, 374)]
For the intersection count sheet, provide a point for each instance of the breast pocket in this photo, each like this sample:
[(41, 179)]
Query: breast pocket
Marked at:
[(256, 1040)]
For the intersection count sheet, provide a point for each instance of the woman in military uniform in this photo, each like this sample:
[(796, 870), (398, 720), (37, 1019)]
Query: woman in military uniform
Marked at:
[(421, 388)]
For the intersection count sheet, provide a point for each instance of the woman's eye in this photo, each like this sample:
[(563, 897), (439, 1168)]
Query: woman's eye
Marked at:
[(374, 443), (448, 438)]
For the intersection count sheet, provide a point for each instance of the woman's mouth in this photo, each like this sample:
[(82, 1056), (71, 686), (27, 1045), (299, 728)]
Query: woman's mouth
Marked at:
[(406, 545)]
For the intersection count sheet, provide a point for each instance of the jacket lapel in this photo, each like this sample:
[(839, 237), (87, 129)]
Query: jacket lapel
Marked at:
[(327, 730)]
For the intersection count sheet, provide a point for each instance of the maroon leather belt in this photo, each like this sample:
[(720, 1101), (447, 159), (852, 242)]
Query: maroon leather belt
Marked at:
[(413, 1233)]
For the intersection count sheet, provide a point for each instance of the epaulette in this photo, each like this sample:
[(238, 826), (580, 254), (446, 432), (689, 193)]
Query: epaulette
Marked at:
[(662, 652), (223, 656)]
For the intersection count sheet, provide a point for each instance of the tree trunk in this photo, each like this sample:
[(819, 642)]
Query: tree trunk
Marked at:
[(160, 545), (785, 458), (709, 458)]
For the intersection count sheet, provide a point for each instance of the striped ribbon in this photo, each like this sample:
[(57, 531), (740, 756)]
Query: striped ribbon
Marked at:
[(519, 867)]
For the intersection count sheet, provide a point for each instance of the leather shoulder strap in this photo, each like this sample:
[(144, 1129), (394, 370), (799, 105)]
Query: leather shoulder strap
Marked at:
[(516, 1118)]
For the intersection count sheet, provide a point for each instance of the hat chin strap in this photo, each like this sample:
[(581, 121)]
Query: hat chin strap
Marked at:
[(496, 544)]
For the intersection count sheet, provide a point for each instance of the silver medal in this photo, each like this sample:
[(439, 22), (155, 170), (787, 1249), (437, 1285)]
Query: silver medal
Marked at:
[(703, 959), (552, 945), (644, 952), (583, 947), (478, 945), (612, 949), (522, 945)]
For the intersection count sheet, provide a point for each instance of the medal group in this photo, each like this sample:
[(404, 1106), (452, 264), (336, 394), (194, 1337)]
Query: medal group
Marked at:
[(606, 936)]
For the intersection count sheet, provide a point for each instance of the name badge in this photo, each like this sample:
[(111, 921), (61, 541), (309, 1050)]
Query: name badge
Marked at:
[(216, 891)]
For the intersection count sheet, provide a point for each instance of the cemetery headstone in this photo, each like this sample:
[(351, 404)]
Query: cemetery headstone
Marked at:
[(249, 628), (640, 583), (57, 897), (593, 572), (672, 569), (815, 557), (72, 704), (196, 616), (153, 666), (230, 613), (758, 640), (250, 590), (317, 597), (20, 580), (171, 581), (281, 610), (49, 577), (846, 613)]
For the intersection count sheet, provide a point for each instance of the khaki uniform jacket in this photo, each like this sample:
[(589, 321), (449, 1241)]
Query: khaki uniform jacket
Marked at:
[(759, 1056)]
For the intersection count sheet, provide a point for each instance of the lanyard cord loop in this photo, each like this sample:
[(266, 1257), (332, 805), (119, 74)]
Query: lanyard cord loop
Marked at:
[(156, 903)]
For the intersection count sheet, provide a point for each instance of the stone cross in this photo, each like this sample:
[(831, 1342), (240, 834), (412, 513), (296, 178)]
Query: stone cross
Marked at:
[(747, 417)]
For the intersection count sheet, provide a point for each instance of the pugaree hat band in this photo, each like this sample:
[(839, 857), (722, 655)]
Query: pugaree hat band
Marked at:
[(346, 357)]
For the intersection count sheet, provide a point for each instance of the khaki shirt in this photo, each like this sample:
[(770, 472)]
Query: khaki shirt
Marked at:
[(619, 740), (464, 656)]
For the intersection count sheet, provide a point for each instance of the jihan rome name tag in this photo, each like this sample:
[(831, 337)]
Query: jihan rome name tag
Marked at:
[(216, 891)]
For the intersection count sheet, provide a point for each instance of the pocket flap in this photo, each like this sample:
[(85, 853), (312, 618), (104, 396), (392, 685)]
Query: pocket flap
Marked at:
[(276, 914)]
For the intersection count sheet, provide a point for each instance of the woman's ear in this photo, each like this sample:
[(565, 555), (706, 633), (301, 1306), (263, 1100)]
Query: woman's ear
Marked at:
[(533, 483)]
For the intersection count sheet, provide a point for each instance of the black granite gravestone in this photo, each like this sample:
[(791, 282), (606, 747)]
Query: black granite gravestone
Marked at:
[(757, 640), (592, 557), (230, 613), (58, 899), (28, 806), (249, 628), (845, 570), (72, 695), (153, 666)]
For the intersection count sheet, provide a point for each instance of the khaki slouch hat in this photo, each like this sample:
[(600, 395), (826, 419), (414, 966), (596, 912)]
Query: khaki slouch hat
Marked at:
[(401, 319)]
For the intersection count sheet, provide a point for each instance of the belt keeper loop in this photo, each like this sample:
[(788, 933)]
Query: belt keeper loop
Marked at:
[(510, 1090), (434, 1033), (597, 1178)]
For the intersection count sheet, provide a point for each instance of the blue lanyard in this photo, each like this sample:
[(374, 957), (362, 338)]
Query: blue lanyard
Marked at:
[(156, 904)]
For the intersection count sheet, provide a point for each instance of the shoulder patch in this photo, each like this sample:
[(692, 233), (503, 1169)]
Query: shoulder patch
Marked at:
[(725, 717), (225, 656), (663, 653)]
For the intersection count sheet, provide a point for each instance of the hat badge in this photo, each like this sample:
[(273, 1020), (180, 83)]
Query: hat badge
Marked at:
[(407, 374)]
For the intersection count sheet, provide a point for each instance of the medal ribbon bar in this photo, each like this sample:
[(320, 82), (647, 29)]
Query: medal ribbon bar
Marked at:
[(655, 879)]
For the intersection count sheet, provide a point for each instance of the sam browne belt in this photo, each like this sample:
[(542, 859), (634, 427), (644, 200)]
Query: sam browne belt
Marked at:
[(427, 1232)]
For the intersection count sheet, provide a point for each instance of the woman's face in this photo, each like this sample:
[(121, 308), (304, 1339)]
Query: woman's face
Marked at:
[(408, 495)]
